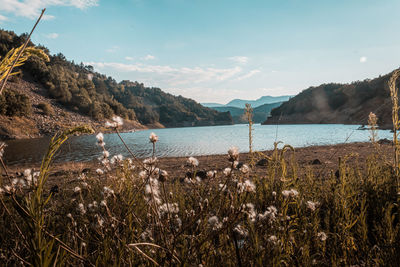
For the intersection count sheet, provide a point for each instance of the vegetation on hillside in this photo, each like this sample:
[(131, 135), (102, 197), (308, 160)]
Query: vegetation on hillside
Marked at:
[(260, 113), (338, 103), (80, 89)]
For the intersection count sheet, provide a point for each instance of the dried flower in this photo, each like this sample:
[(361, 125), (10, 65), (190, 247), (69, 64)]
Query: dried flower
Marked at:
[(290, 193), (233, 153), (245, 169), (108, 191), (269, 214), (77, 189), (81, 208), (227, 171), (247, 186), (99, 171), (211, 174), (322, 236), (100, 137), (241, 231), (215, 223), (312, 205), (273, 239), (153, 138), (150, 161), (118, 120), (193, 161), (162, 176)]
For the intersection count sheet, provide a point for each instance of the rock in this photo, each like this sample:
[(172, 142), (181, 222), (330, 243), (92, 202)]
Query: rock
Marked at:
[(54, 189), (262, 162), (201, 174), (86, 170), (316, 162), (385, 141)]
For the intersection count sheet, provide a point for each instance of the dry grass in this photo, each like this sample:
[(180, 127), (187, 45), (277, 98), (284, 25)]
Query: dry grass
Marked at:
[(133, 213)]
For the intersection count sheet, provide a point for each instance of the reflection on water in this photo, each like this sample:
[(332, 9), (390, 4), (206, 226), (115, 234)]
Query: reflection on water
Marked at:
[(190, 141)]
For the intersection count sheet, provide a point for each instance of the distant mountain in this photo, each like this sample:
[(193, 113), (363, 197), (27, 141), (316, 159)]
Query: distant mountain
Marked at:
[(338, 103), (240, 103), (260, 114), (212, 105)]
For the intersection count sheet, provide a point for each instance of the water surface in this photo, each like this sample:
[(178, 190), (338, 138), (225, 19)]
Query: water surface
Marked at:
[(191, 141)]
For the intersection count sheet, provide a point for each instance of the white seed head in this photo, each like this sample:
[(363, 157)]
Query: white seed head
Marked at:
[(153, 138), (193, 161)]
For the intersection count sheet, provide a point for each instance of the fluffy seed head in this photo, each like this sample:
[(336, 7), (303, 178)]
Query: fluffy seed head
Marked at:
[(193, 161), (233, 153), (153, 138)]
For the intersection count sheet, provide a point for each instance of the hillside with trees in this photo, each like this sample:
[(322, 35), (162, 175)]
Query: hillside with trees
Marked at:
[(80, 89), (338, 103), (260, 113)]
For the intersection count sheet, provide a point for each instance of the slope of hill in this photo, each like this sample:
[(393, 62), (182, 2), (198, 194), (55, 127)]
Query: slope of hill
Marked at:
[(240, 103), (338, 103), (260, 113), (78, 88)]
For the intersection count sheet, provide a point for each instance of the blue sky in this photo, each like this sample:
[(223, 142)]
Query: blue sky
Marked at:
[(218, 50)]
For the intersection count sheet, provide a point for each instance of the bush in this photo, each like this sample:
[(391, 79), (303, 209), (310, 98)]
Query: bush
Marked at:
[(46, 108), (14, 104)]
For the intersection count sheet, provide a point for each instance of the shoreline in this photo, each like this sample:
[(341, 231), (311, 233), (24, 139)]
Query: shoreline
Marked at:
[(315, 157)]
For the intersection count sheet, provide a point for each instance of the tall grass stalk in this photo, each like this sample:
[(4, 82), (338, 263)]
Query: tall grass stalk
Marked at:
[(395, 119), (249, 116)]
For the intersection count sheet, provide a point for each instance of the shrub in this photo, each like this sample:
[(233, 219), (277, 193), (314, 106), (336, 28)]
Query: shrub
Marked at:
[(14, 104), (46, 108)]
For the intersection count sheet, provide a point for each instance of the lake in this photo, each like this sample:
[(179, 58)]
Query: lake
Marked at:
[(191, 141)]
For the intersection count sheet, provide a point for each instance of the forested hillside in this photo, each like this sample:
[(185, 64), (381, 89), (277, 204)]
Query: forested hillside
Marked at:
[(338, 103), (79, 88), (260, 113)]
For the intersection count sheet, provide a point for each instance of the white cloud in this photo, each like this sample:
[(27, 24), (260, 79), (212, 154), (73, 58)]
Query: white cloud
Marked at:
[(129, 58), (248, 75), (171, 76), (32, 8), (239, 59), (149, 57), (52, 35), (2, 18), (363, 59), (112, 49)]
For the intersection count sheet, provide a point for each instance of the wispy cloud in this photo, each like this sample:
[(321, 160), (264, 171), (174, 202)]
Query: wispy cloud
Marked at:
[(52, 35), (112, 49), (248, 75), (149, 57), (363, 59), (239, 59), (129, 58), (2, 18), (172, 76), (31, 8)]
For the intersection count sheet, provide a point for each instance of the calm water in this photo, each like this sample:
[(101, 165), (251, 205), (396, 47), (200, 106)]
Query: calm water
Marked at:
[(191, 141)]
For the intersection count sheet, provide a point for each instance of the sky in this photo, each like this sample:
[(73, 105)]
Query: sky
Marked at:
[(219, 50)]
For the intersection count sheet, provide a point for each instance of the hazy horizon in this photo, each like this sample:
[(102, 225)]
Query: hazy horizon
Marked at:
[(216, 52)]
